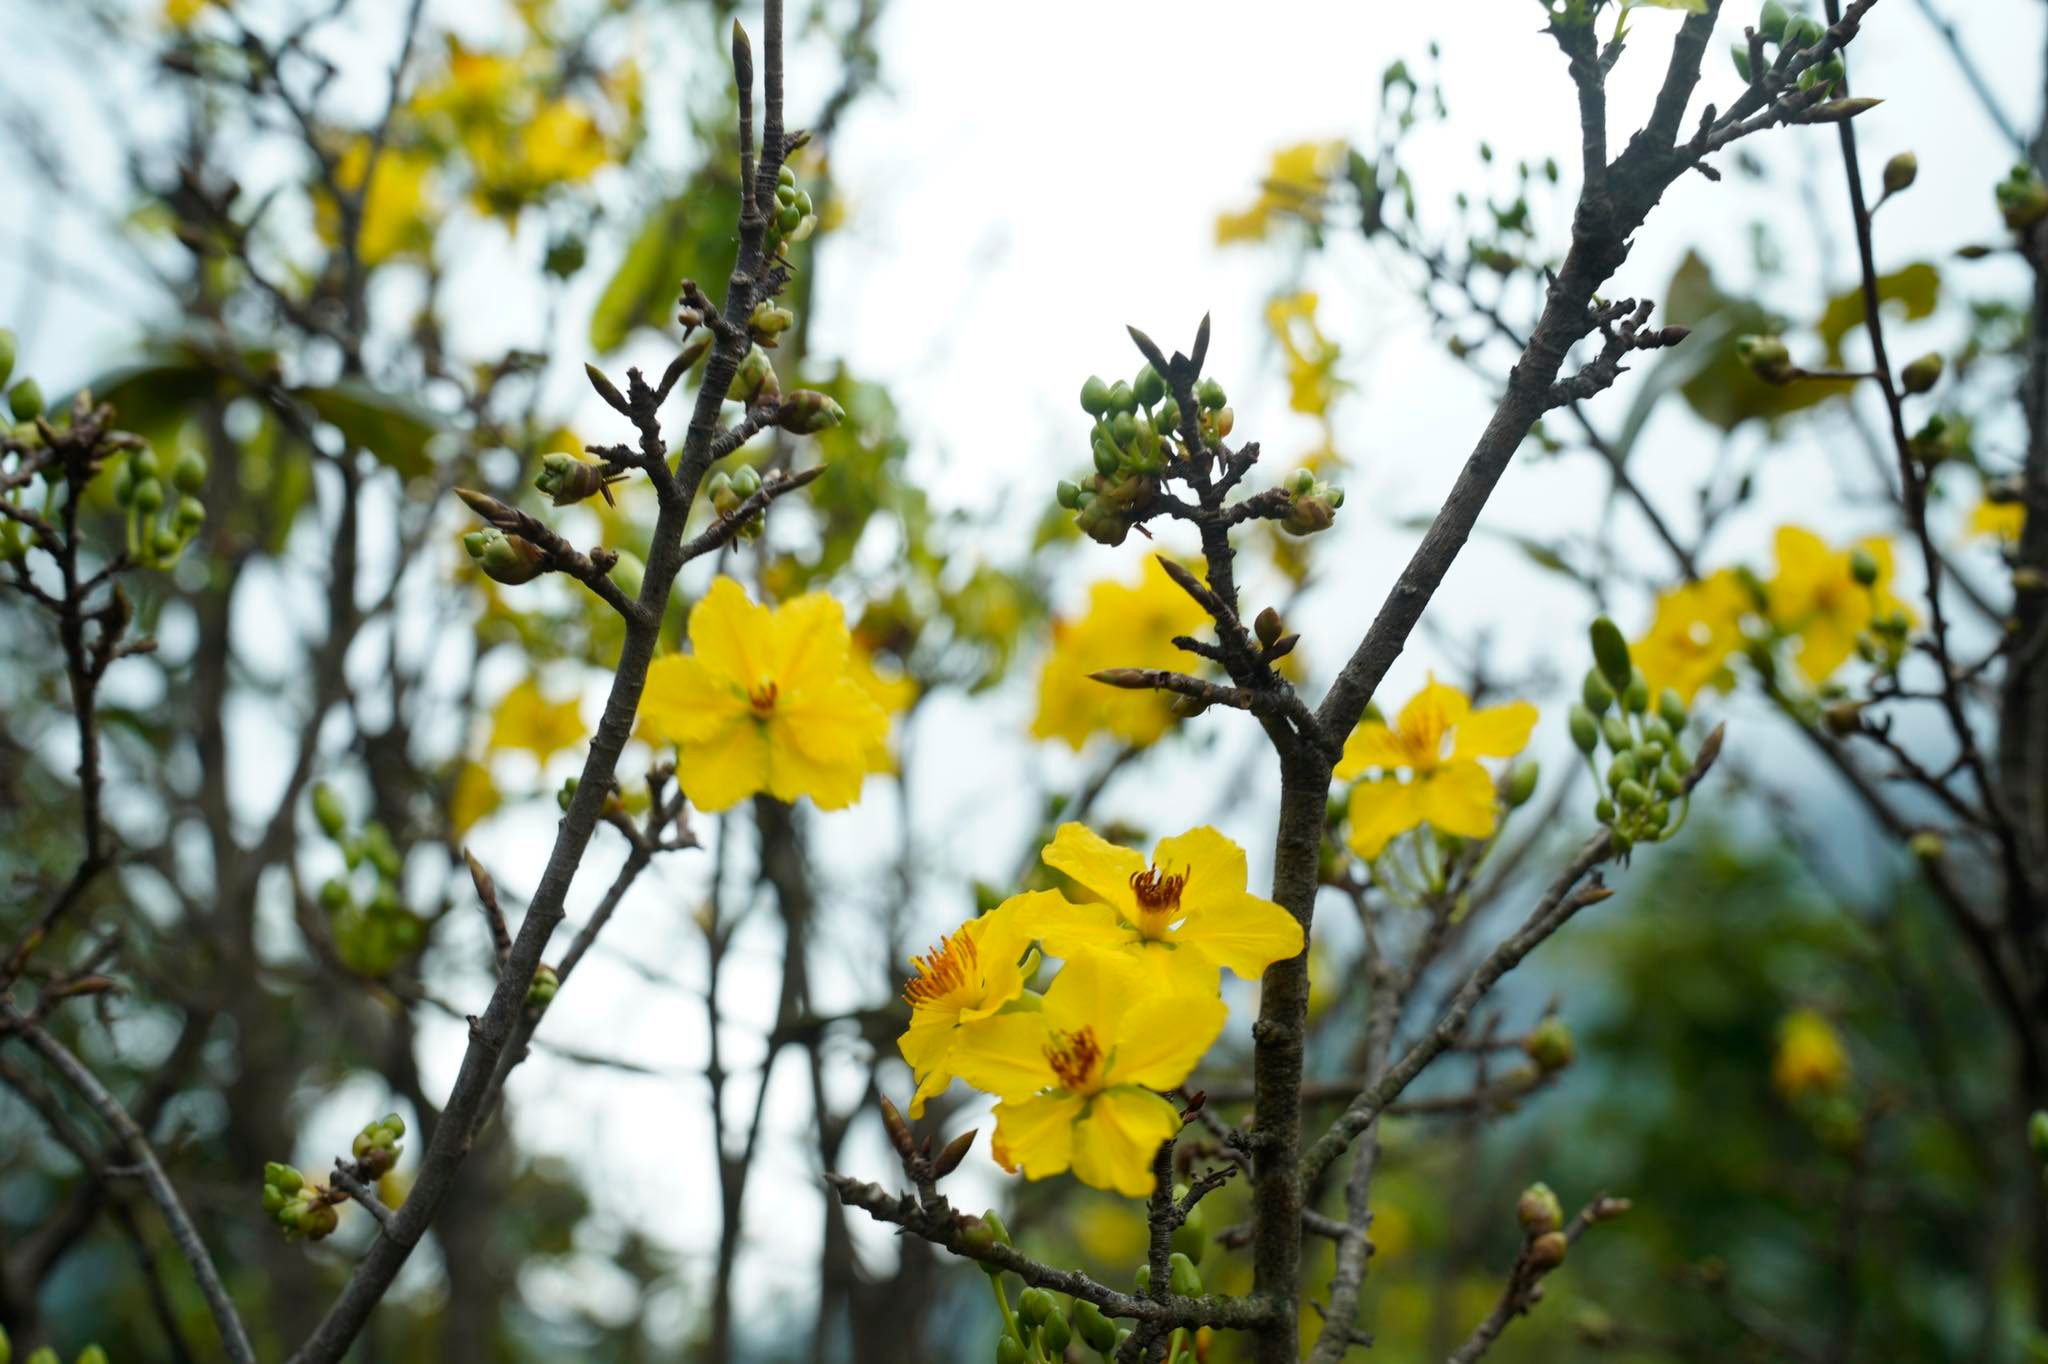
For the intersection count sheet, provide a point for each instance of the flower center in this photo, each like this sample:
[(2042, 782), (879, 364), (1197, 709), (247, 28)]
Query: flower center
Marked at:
[(1076, 1058), (762, 699), (1158, 895), (946, 968)]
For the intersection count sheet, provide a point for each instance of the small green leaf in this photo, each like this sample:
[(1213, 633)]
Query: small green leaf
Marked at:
[(1916, 289)]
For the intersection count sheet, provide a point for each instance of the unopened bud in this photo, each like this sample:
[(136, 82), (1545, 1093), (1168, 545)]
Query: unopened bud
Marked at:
[(948, 1160), (1863, 567), (805, 413), (1547, 1251), (1538, 1210), (1585, 729), (329, 810), (1926, 845), (541, 992), (1521, 784), (1148, 388), (606, 389), (1923, 374), (2037, 1133), (898, 1130), (1268, 626), (1034, 1305), (1900, 172), (1610, 652), (1097, 1332), (25, 400), (1549, 1044)]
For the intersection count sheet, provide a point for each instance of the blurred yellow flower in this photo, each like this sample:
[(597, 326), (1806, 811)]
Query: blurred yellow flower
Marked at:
[(1184, 916), (1076, 1077), (1311, 356), (475, 796), (397, 211), (765, 701), (525, 719), (1696, 628), (1998, 520), (1810, 1059), (1125, 626), (962, 982), (1294, 186), (1438, 740), (183, 14), (1816, 598)]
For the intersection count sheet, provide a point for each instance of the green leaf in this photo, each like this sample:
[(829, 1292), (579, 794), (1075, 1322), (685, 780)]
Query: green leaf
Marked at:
[(1916, 289), (1715, 382), (688, 237), (395, 431)]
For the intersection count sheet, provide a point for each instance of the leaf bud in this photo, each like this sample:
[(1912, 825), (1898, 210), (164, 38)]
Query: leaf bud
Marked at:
[(1900, 172), (1538, 1210), (1268, 626), (948, 1159), (807, 412), (1923, 374)]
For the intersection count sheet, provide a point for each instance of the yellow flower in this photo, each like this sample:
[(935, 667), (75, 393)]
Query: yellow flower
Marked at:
[(474, 797), (1126, 626), (961, 983), (1438, 739), (1696, 628), (561, 143), (1076, 1077), (1811, 1059), (525, 719), (185, 13), (1183, 916), (765, 701), (1998, 520), (1311, 356), (1293, 187), (397, 212), (1816, 599)]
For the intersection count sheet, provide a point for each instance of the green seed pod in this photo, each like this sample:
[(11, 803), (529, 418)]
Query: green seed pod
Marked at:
[(1055, 1335), (1900, 172), (1184, 1279), (25, 400), (1094, 396), (1672, 711), (1148, 387), (1538, 1210), (7, 354), (1585, 729), (1595, 692), (1616, 731), (1610, 652), (1637, 697), (1097, 1332), (188, 475), (1772, 22), (1210, 395), (1863, 567), (1034, 1305), (149, 497), (1630, 795)]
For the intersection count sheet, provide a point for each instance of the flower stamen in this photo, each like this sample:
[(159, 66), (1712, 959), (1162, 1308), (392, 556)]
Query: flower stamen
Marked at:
[(762, 698), (1075, 1059), (1158, 895), (944, 969)]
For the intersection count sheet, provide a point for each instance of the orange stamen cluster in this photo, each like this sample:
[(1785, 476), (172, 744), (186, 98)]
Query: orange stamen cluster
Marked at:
[(942, 970), (1074, 1059), (1158, 895), (762, 698)]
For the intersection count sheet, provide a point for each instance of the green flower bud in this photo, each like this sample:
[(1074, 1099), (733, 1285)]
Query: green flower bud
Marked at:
[(1926, 845), (1122, 400), (1767, 356), (1547, 1251), (393, 1124), (7, 354), (1521, 783), (45, 1355), (1303, 484), (1538, 1210), (1094, 396), (1148, 387), (1097, 1332), (328, 810), (1034, 1305), (1603, 810), (273, 1199), (1210, 395), (1055, 1335), (1772, 22), (1595, 692), (1142, 1280), (334, 895), (1183, 1278), (629, 572), (149, 497), (508, 559), (1923, 374), (165, 543), (382, 852), (746, 481), (1672, 710), (2037, 1133), (789, 218), (1900, 172), (190, 517), (1669, 783), (1622, 769), (1169, 415), (1549, 1044), (1740, 52), (92, 1354), (806, 413), (1630, 795), (1610, 652), (784, 176), (283, 1177), (1123, 428), (1863, 567), (1585, 729), (1637, 697), (1191, 1238), (1008, 1351), (1616, 731), (541, 992), (567, 793), (1803, 32), (1068, 495), (188, 475), (25, 400)]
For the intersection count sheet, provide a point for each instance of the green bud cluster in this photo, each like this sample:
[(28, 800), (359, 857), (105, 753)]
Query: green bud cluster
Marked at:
[(1137, 434), (1647, 762), (508, 559), (305, 1211), (375, 931), (2022, 198), (1780, 28), (728, 492), (91, 1354), (1311, 504), (755, 384), (376, 1147), (768, 322), (794, 218), (162, 506)]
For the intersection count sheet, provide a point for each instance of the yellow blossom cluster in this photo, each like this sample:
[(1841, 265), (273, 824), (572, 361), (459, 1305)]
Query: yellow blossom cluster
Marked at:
[(1426, 767), (1126, 625), (1078, 1068), (1294, 186), (1823, 605)]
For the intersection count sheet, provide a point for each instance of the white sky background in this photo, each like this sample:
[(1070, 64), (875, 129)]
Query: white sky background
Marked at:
[(1009, 216)]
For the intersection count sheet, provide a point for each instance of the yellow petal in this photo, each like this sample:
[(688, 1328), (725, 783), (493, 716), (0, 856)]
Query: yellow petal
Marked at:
[(1036, 1135), (725, 768), (927, 1040), (1092, 990), (730, 634), (1163, 1037), (1458, 799), (1095, 864), (1213, 865), (1429, 714), (1005, 1055), (1246, 937), (1381, 810), (685, 702), (810, 642), (1114, 1143), (1825, 644), (1496, 732), (934, 1083), (1371, 745), (1803, 557), (1068, 929)]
